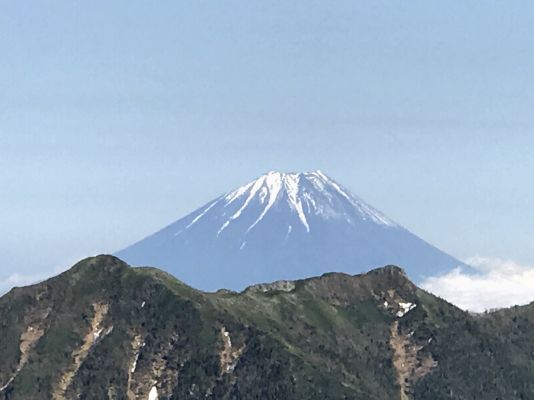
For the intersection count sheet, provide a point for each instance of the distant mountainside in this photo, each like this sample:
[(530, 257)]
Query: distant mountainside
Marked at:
[(284, 226), (103, 330)]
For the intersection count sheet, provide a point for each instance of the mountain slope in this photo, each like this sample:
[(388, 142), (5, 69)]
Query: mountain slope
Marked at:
[(104, 330), (284, 226)]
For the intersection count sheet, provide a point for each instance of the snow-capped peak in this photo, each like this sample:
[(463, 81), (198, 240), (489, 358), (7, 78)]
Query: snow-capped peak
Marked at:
[(308, 195), (283, 226)]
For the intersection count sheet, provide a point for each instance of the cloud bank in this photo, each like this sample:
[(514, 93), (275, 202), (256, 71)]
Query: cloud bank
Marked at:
[(18, 280), (498, 283), (31, 277)]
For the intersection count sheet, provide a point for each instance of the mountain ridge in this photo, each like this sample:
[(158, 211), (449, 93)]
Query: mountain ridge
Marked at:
[(106, 330)]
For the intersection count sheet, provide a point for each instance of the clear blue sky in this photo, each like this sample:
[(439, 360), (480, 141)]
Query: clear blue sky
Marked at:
[(117, 118)]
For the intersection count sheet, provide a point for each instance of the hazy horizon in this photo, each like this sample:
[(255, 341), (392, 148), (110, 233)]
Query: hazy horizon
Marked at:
[(117, 119)]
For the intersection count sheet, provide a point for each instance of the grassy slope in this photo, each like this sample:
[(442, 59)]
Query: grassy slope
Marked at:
[(320, 338)]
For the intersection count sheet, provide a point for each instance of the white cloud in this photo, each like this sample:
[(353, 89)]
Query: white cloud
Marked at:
[(498, 283), (17, 279), (31, 277)]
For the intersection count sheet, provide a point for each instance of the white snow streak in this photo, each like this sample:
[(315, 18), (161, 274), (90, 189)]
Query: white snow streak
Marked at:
[(202, 214), (7, 384), (291, 184), (238, 193), (255, 187), (307, 194), (289, 228), (274, 186), (134, 364)]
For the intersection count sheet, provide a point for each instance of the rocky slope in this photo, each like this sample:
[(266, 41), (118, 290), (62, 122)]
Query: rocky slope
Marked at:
[(103, 330)]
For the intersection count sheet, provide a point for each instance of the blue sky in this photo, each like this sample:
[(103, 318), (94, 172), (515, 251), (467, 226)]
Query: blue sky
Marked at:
[(119, 117)]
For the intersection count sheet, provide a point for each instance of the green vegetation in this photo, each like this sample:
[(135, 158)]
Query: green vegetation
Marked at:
[(105, 330)]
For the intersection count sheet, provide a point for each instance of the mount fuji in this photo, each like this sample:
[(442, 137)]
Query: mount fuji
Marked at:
[(284, 226)]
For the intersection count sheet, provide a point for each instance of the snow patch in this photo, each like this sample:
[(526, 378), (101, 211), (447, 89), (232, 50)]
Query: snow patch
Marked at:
[(289, 229), (227, 338), (137, 346), (405, 308), (153, 395), (229, 355), (134, 364)]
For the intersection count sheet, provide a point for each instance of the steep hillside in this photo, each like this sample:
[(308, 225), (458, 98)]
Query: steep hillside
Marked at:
[(103, 330)]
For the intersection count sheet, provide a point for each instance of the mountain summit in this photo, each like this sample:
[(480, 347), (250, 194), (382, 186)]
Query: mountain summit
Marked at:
[(284, 226)]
